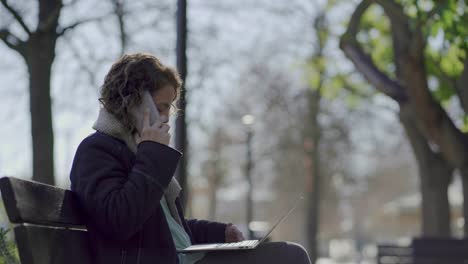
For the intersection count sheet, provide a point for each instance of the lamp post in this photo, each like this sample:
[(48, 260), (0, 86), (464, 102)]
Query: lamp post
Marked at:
[(248, 121)]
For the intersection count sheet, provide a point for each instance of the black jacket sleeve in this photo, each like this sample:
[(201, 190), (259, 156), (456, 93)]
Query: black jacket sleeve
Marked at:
[(116, 200), (206, 231)]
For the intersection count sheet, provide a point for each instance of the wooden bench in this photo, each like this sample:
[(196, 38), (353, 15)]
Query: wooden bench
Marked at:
[(394, 254), (48, 228), (425, 250)]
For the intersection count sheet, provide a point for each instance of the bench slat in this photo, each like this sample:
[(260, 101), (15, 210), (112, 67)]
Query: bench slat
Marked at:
[(48, 245), (37, 203), (425, 250)]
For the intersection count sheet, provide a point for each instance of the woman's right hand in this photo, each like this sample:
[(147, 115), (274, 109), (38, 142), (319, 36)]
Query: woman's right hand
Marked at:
[(158, 132)]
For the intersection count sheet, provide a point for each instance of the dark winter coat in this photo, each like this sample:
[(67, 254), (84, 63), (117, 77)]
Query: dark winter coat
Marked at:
[(120, 191)]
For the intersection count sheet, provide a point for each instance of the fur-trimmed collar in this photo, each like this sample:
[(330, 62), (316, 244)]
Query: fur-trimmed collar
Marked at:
[(108, 124)]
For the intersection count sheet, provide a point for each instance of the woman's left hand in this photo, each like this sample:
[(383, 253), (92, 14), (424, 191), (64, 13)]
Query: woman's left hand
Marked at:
[(233, 234)]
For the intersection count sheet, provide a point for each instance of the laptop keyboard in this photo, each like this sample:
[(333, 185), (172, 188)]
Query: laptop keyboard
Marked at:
[(242, 244)]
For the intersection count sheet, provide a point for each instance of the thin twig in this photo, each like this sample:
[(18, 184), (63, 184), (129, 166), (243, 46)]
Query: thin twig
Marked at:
[(16, 16)]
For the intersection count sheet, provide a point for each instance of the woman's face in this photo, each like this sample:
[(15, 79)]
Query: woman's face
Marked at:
[(163, 99)]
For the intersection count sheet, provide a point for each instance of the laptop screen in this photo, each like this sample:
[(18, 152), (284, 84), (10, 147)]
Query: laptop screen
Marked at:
[(296, 202)]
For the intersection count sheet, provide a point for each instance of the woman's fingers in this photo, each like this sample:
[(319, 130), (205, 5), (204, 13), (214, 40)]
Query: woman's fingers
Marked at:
[(240, 236), (233, 234), (164, 118), (157, 123), (165, 128), (157, 132)]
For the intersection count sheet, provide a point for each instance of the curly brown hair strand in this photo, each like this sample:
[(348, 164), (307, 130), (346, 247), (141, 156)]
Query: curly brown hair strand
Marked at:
[(131, 75)]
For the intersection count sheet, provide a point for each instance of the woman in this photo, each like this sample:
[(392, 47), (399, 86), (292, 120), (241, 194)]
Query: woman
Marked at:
[(123, 177)]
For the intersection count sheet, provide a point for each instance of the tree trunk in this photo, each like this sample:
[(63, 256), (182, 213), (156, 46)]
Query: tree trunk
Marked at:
[(181, 122), (434, 171), (215, 169), (311, 144), (435, 180), (40, 55), (213, 202), (432, 119), (313, 135), (435, 175), (215, 180)]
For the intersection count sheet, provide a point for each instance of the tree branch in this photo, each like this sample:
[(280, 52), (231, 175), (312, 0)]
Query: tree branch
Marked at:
[(119, 13), (353, 25), (436, 125), (393, 10), (62, 30), (400, 28), (377, 78), (17, 44), (364, 62), (408, 49), (16, 16)]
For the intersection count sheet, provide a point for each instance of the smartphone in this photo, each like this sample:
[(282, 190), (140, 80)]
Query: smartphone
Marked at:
[(139, 111)]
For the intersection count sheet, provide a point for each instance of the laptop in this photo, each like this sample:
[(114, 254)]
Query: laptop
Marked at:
[(242, 245)]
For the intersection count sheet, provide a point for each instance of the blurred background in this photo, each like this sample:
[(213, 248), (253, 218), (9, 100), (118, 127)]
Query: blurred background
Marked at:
[(361, 106)]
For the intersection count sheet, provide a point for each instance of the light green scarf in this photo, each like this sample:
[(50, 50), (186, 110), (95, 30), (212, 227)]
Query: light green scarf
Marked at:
[(180, 237)]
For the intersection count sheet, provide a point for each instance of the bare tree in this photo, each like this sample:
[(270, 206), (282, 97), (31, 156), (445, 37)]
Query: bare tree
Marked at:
[(38, 52), (215, 167), (119, 10), (312, 135)]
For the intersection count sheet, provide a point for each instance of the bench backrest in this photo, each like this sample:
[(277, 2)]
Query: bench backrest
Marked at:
[(439, 250), (50, 229), (425, 250), (394, 254)]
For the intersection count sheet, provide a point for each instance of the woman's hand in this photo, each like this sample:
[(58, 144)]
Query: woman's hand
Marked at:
[(158, 132), (233, 234)]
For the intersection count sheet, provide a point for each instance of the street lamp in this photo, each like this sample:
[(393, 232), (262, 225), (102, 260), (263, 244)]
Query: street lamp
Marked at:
[(248, 121)]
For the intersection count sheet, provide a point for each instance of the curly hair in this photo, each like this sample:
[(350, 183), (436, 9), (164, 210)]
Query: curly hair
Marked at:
[(128, 77)]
